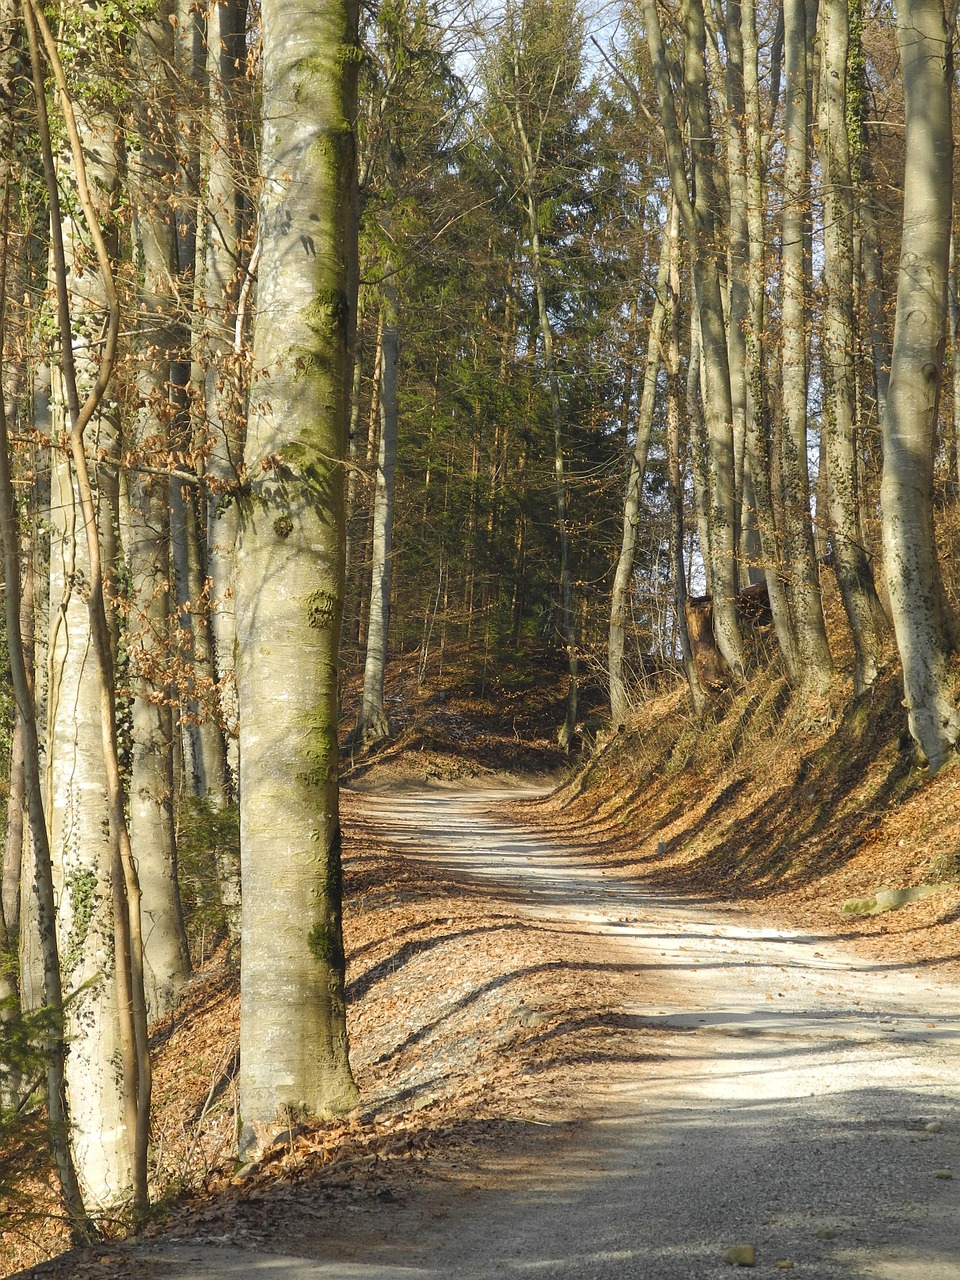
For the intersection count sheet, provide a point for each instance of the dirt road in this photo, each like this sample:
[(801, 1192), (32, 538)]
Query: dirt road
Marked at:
[(803, 1103)]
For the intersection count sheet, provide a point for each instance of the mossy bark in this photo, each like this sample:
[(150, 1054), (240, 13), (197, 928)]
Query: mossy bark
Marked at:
[(78, 810), (289, 579), (222, 394), (909, 423)]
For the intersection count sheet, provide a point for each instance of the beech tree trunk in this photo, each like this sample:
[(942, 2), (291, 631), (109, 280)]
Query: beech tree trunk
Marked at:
[(74, 273), (620, 703), (221, 275), (758, 445), (293, 1042), (695, 192), (851, 557), (909, 423), (373, 723), (18, 609), (815, 663), (147, 536), (77, 803)]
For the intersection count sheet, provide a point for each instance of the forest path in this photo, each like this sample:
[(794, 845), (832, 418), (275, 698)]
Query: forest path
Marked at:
[(802, 1100)]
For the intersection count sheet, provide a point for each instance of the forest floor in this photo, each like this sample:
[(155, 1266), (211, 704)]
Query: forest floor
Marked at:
[(577, 1054)]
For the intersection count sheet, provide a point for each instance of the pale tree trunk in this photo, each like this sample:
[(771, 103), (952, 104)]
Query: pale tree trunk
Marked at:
[(77, 805), (20, 648), (222, 344), (715, 374), (209, 774), (147, 538), (58, 1112), (850, 557), (353, 460), (815, 663), (357, 590), (114, 1026), (620, 703), (17, 809), (738, 294), (909, 424), (757, 446), (699, 449), (293, 1043), (373, 723), (699, 213), (674, 470), (30, 959), (210, 777)]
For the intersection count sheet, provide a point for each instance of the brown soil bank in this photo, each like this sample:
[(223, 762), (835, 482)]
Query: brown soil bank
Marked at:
[(793, 809)]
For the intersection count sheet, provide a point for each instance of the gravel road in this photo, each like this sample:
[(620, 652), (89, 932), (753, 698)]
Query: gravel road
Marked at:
[(805, 1102)]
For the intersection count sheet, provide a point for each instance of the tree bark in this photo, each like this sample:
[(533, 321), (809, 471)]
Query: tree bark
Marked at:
[(850, 557), (222, 344), (815, 663), (910, 558), (758, 445), (620, 703), (373, 723), (695, 193), (125, 1011), (166, 955), (20, 648), (293, 1042), (674, 471)]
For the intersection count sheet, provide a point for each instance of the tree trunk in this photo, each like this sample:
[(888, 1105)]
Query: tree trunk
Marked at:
[(293, 1042), (906, 496), (815, 663), (166, 956), (757, 447), (850, 556), (19, 627), (221, 343), (78, 813), (373, 723), (125, 1011), (623, 575), (699, 213), (674, 472)]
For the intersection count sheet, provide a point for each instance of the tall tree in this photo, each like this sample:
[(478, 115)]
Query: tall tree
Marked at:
[(694, 188), (920, 616), (58, 1114), (116, 1024), (373, 722), (293, 1043), (623, 574), (815, 663), (850, 556), (147, 535)]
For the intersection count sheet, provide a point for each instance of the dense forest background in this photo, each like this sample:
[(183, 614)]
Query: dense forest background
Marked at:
[(644, 351)]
